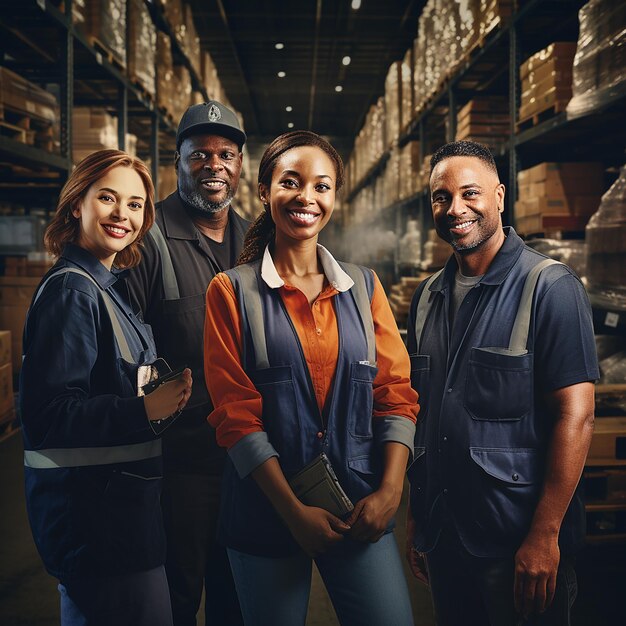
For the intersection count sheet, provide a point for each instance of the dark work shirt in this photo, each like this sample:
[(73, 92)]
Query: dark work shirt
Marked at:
[(224, 251), (178, 325)]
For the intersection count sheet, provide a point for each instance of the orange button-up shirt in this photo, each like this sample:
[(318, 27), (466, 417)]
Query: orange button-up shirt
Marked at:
[(238, 405)]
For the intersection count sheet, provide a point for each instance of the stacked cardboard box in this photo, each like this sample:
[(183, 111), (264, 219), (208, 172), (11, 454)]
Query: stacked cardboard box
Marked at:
[(393, 103), (167, 181), (409, 169), (210, 78), (485, 120), (436, 252), (141, 46), (407, 90), (165, 75), (180, 97), (6, 378), (558, 196), (93, 128), (190, 42), (422, 179), (16, 293), (104, 24), (547, 79), (401, 295)]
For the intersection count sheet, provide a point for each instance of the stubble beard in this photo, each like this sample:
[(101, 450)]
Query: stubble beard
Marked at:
[(201, 204)]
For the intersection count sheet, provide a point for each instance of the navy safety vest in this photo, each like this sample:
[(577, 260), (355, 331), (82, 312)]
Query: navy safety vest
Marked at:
[(96, 510), (496, 469), (274, 361)]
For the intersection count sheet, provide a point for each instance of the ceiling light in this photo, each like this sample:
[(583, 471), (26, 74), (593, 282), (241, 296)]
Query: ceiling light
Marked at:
[(290, 125), (279, 46), (289, 109), (338, 88), (356, 4), (346, 60), (281, 74)]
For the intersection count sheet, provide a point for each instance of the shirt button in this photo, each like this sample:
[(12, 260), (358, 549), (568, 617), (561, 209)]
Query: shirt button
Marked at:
[(445, 438), (445, 492), (318, 331), (449, 389), (320, 434), (515, 477)]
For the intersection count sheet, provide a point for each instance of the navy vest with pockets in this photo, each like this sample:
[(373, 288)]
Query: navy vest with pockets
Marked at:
[(292, 420)]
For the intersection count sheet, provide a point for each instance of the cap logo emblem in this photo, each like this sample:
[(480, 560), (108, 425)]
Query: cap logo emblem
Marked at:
[(214, 113)]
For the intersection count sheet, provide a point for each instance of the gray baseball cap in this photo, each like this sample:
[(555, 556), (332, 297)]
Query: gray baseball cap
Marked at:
[(212, 118)]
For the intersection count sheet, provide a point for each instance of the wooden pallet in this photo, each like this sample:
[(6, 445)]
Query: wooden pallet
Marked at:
[(106, 52), (141, 87), (27, 128), (541, 116)]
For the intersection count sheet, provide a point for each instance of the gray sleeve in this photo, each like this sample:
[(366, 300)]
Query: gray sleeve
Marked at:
[(395, 428), (250, 452)]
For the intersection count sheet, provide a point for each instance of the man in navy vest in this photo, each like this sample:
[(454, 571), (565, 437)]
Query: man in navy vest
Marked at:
[(505, 377), (197, 234)]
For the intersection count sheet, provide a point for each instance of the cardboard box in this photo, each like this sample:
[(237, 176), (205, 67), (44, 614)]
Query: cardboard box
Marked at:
[(16, 293), (6, 388), (5, 347), (561, 50), (495, 104), (592, 171), (609, 439)]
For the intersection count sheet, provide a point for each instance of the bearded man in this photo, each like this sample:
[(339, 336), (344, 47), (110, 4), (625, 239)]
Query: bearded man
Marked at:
[(196, 235)]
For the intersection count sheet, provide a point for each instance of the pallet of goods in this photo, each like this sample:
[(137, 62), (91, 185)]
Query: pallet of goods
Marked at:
[(600, 56), (141, 48), (28, 113), (93, 128), (393, 103), (484, 120), (546, 79), (165, 75), (606, 248), (557, 197), (103, 23)]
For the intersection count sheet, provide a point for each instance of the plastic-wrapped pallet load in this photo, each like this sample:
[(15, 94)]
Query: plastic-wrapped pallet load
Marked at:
[(141, 46), (104, 24), (406, 106), (190, 42), (606, 248), (600, 56), (165, 75), (393, 103)]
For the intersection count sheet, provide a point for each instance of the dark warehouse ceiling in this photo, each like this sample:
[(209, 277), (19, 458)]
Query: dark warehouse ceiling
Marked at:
[(241, 36)]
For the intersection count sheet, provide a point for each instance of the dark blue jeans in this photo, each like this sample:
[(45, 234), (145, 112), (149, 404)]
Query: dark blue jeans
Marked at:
[(475, 591), (138, 599)]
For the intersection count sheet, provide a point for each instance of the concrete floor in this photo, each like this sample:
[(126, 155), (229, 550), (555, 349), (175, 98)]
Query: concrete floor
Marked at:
[(28, 596)]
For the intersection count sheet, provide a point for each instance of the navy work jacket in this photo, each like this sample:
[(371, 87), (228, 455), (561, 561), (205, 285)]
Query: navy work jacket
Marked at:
[(484, 427), (79, 404)]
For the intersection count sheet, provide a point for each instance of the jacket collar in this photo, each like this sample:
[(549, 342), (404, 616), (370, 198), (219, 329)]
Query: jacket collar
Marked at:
[(88, 262), (332, 270), (503, 262)]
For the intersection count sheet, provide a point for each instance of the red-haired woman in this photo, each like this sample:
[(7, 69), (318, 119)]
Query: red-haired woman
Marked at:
[(92, 456)]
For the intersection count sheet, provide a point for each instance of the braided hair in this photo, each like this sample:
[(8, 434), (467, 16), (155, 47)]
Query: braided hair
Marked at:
[(263, 229)]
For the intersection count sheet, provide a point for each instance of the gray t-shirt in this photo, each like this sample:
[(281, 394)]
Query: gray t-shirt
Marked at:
[(462, 286)]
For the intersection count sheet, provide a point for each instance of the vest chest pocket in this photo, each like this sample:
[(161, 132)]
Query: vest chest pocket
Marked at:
[(281, 420), (361, 402), (420, 381), (499, 385)]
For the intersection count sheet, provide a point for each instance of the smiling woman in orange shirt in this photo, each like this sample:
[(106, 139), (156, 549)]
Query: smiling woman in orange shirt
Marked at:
[(304, 363)]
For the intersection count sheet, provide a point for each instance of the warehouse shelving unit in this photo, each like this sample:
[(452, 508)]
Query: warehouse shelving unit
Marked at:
[(493, 69), (47, 48)]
